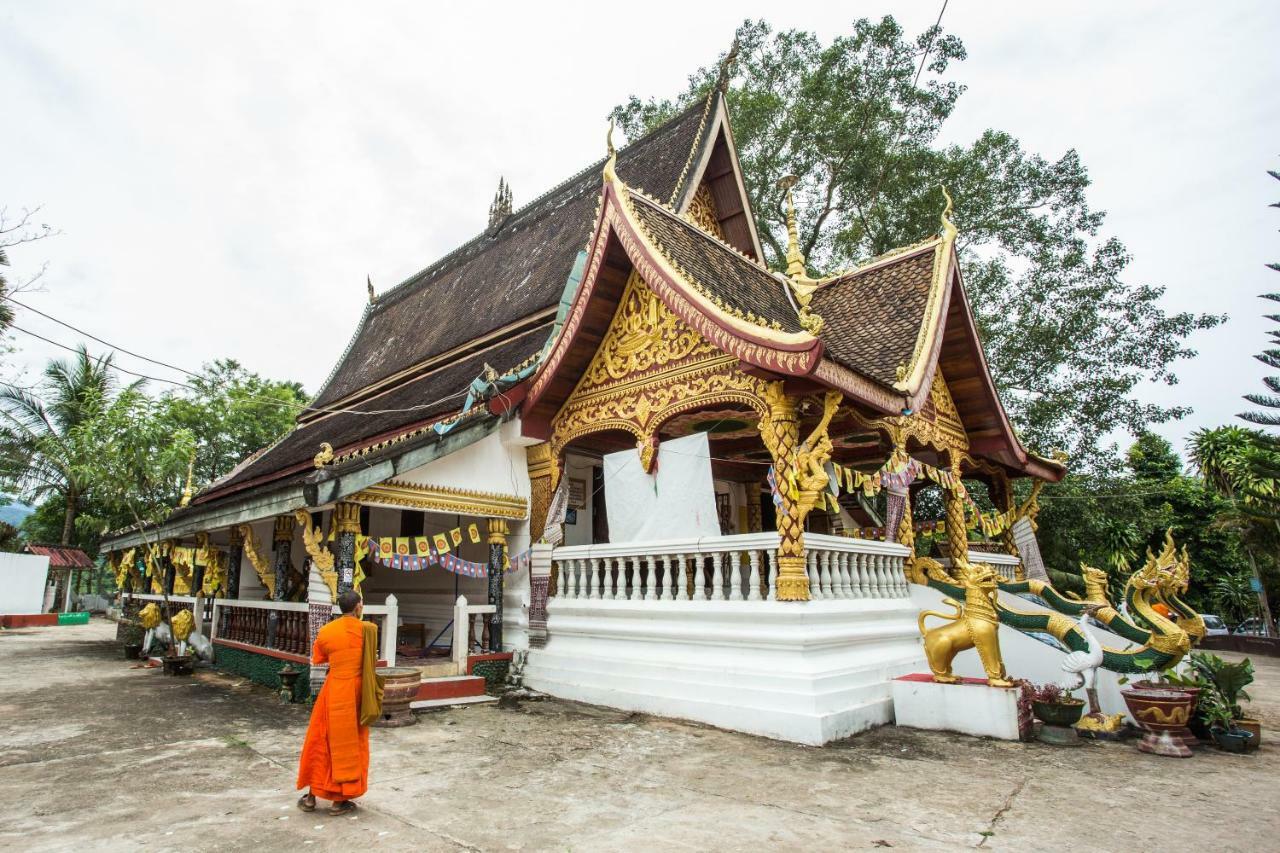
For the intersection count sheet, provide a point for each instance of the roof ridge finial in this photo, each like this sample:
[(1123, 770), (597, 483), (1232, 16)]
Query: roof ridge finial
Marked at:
[(726, 66), (500, 208), (373, 294), (611, 158), (802, 286), (188, 492), (948, 228)]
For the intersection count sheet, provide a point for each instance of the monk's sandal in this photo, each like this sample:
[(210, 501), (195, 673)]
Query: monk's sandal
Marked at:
[(344, 807), (307, 803)]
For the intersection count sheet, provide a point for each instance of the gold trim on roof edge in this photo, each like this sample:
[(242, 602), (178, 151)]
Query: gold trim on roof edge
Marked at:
[(445, 499)]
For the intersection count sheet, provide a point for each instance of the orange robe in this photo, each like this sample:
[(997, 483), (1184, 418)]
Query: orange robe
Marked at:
[(335, 754)]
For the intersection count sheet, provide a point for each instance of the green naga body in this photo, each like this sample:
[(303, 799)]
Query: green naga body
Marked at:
[(1160, 580)]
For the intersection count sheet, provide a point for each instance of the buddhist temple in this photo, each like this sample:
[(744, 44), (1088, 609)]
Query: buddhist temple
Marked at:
[(670, 478)]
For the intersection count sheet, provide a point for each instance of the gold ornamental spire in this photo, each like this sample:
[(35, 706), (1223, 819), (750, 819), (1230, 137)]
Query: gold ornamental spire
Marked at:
[(611, 160), (948, 228), (187, 492), (802, 286)]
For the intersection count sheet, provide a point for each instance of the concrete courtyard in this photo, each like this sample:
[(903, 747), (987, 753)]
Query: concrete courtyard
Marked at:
[(97, 755)]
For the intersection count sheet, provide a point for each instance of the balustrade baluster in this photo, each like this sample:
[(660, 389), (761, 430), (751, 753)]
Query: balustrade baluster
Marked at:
[(823, 559), (717, 576), (593, 578), (815, 578), (772, 556), (899, 579), (753, 579), (843, 573), (735, 575), (632, 586), (883, 589), (650, 579), (864, 568), (606, 578), (684, 578)]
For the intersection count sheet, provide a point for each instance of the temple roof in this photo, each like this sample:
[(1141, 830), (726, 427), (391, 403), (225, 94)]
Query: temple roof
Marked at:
[(512, 272), (875, 314), (746, 289)]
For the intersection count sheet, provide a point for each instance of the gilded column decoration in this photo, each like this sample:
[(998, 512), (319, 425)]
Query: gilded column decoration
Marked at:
[(235, 550), (702, 212), (798, 468), (346, 521), (281, 561), (321, 557), (497, 563), (957, 529), (906, 535), (540, 463)]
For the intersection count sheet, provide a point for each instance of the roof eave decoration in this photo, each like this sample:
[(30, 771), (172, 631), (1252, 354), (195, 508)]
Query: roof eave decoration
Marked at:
[(781, 352), (914, 377)]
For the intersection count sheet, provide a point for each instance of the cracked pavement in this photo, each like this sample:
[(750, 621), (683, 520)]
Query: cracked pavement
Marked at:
[(96, 754)]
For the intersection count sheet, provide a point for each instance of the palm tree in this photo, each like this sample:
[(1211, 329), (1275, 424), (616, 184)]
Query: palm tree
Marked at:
[(42, 453), (1227, 459)]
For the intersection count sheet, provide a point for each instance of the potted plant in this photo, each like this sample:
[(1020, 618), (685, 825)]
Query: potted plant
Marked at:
[(1228, 682), (1054, 706), (1222, 724)]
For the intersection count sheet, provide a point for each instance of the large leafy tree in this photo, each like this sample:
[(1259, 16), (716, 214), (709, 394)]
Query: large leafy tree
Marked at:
[(43, 454), (231, 413), (857, 120), (1228, 458)]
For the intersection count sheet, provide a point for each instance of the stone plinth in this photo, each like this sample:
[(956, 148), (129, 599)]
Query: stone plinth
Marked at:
[(969, 706)]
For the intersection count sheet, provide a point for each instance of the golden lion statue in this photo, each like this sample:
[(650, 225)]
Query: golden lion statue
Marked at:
[(974, 626)]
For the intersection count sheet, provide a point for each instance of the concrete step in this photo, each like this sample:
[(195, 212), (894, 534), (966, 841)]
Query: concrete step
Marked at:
[(450, 687), (424, 704)]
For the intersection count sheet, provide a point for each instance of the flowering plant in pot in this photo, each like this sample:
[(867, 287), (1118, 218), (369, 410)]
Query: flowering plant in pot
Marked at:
[(1054, 706)]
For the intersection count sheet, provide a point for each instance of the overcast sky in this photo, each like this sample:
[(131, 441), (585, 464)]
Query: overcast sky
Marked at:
[(224, 176)]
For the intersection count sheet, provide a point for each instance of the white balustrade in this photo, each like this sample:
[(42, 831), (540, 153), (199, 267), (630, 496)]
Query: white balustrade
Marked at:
[(727, 568)]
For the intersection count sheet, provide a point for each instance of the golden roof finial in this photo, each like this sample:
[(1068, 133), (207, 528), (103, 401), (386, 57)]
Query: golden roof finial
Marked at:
[(611, 161), (948, 229), (802, 286), (187, 492)]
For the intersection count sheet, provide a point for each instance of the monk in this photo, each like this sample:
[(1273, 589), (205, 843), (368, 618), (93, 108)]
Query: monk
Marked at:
[(335, 755)]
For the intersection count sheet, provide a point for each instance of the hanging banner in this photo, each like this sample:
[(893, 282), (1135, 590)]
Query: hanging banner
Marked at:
[(387, 554)]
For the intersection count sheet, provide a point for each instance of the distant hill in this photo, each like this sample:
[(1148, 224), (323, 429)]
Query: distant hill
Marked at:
[(15, 512)]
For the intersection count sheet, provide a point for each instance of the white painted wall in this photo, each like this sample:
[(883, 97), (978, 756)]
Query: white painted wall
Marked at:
[(22, 583), (579, 468)]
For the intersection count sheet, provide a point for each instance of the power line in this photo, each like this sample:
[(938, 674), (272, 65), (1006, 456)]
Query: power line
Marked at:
[(267, 400)]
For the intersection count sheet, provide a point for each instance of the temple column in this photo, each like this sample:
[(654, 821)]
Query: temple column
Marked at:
[(282, 545), (780, 430), (957, 530), (235, 551), (497, 560), (169, 572), (346, 521)]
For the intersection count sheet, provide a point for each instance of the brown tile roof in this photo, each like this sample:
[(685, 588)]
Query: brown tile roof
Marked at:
[(722, 272), (431, 396), (62, 556), (873, 316), (505, 275)]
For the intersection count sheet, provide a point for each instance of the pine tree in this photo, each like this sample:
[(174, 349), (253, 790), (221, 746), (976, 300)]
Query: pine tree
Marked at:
[(1271, 358)]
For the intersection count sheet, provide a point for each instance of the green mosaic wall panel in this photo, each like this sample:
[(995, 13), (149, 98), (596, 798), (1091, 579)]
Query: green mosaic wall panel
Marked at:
[(262, 669)]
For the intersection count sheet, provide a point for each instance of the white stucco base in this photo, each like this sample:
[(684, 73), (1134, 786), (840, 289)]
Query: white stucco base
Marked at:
[(807, 672), (968, 707)]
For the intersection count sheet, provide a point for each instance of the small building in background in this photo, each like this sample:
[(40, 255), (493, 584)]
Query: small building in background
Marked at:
[(65, 565)]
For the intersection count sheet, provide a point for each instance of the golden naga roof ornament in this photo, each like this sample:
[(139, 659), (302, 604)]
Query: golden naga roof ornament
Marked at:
[(324, 457), (611, 160), (187, 491), (802, 286), (948, 228), (373, 294)]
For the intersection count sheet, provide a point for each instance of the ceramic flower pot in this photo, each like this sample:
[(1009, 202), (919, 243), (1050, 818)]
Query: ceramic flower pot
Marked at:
[(1235, 740), (1163, 715), (1065, 713), (1253, 727)]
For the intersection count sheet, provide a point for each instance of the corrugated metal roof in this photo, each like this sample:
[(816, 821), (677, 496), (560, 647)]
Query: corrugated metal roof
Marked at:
[(62, 557)]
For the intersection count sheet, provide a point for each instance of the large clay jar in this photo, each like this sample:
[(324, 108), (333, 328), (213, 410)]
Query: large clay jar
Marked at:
[(399, 689), (1163, 714)]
